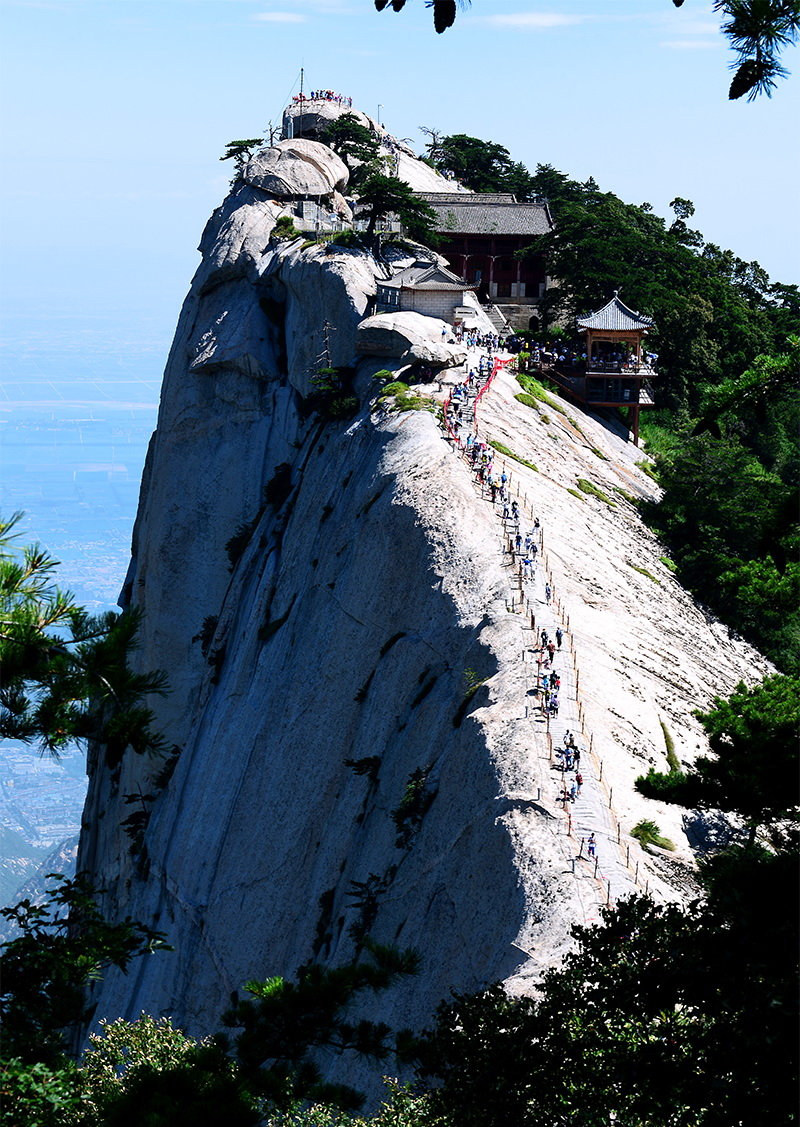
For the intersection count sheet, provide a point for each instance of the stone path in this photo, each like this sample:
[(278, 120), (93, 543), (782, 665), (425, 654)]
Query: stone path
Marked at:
[(617, 868)]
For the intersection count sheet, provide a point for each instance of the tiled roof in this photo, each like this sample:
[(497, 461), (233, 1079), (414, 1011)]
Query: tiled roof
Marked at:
[(487, 214), (426, 276), (615, 317), (467, 197)]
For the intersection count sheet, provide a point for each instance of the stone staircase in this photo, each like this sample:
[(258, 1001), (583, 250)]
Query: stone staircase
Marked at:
[(498, 319)]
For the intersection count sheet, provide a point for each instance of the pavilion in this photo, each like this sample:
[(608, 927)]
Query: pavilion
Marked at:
[(615, 370)]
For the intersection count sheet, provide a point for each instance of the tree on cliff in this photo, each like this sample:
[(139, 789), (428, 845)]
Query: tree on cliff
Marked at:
[(755, 764), (380, 196), (63, 944), (240, 152), (482, 166), (65, 672), (661, 1017), (147, 1071), (757, 30), (356, 144)]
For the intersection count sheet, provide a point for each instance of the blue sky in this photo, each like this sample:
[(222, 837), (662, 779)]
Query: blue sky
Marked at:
[(115, 112)]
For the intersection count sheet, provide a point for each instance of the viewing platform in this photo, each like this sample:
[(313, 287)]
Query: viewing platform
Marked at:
[(614, 370), (606, 387)]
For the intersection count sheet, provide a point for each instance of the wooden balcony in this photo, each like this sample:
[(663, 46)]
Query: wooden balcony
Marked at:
[(609, 387)]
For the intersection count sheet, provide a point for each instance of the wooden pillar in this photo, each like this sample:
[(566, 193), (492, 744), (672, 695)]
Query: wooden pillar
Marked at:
[(635, 418)]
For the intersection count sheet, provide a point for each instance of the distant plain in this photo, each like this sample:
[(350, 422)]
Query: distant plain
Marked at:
[(72, 449)]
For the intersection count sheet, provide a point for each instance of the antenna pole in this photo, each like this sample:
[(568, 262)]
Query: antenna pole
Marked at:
[(302, 72)]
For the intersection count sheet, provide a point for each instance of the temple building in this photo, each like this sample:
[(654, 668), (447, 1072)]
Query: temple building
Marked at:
[(480, 235), (614, 369), (427, 288)]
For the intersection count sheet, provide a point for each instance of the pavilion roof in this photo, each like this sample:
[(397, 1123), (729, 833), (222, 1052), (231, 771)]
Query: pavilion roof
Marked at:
[(487, 213), (615, 317)]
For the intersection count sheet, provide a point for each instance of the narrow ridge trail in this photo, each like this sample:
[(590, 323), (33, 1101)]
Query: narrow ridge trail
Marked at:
[(606, 865)]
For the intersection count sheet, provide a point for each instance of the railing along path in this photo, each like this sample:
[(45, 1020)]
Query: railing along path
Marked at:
[(590, 835)]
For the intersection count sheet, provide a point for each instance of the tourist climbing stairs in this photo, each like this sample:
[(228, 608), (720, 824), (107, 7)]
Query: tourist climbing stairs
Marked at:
[(605, 866)]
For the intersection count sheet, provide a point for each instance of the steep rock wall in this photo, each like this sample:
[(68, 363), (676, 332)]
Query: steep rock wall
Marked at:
[(369, 598)]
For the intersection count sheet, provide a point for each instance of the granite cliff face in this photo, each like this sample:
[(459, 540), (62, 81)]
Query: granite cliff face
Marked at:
[(339, 771)]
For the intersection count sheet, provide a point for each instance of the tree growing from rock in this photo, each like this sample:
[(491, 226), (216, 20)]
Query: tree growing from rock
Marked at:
[(482, 166), (755, 763), (356, 144), (381, 196), (240, 152)]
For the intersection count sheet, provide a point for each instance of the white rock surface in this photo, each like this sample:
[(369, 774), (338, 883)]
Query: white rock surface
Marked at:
[(360, 611), (296, 168), (409, 336), (401, 161)]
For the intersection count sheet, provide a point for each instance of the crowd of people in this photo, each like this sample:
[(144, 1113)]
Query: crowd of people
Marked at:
[(473, 338), (323, 96), (602, 360), (524, 545)]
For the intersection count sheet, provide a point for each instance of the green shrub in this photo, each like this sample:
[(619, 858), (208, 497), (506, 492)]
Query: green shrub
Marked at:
[(643, 571), (397, 387), (285, 229), (350, 240), (669, 564), (626, 496), (648, 833), (235, 547), (417, 798), (648, 468), (474, 682), (535, 389), (504, 450), (672, 757), (595, 491), (332, 396)]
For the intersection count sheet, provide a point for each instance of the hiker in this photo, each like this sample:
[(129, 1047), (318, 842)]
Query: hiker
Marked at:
[(591, 845), (579, 781), (573, 792), (548, 592), (544, 638), (559, 636), (518, 541), (576, 755)]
